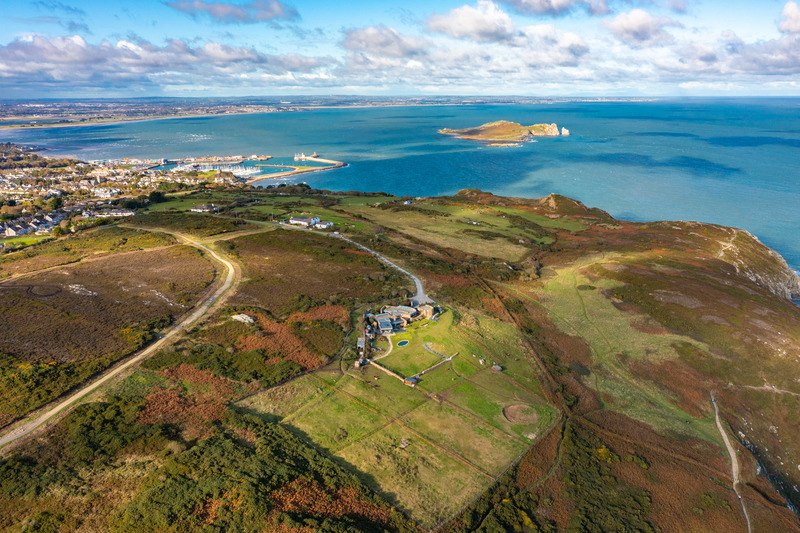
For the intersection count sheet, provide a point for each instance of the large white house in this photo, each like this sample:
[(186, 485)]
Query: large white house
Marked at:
[(304, 221)]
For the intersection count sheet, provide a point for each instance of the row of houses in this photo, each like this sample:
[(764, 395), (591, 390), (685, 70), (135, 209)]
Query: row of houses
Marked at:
[(33, 224), (108, 213)]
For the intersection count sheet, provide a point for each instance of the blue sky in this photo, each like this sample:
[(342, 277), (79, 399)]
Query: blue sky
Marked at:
[(97, 48)]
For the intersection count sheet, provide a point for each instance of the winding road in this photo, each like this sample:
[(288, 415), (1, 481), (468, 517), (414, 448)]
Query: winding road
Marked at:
[(419, 298), (37, 421), (734, 459)]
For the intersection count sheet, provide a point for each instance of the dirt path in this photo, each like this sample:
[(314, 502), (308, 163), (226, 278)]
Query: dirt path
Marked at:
[(734, 459), (729, 244), (201, 308), (381, 356), (768, 388)]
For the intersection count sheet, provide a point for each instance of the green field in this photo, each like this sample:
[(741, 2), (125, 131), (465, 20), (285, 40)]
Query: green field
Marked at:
[(462, 425), (24, 239), (609, 332)]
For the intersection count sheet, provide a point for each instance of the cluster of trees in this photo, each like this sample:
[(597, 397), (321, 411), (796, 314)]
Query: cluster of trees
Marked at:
[(239, 488), (143, 200)]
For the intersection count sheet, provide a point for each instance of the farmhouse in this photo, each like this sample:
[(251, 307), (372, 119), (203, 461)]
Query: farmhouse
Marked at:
[(205, 208), (394, 317), (324, 224), (304, 221)]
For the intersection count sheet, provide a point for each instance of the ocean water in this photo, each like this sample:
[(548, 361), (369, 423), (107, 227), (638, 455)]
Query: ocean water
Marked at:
[(733, 161)]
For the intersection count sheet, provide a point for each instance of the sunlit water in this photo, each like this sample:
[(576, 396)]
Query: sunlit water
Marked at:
[(734, 162)]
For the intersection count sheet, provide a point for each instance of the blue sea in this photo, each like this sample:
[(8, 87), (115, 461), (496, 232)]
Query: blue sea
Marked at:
[(728, 161)]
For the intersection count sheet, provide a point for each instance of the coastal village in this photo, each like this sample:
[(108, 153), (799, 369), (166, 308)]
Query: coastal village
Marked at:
[(40, 194)]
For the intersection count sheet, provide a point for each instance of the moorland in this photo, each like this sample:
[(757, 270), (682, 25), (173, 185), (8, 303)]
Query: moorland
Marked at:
[(577, 354)]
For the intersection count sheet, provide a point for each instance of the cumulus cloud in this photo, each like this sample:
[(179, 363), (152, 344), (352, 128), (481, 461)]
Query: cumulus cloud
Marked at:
[(557, 7), (484, 23), (773, 57), (547, 46), (791, 18), (71, 61), (229, 13), (383, 41), (639, 29)]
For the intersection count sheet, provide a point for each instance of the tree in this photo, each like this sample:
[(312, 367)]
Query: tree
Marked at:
[(156, 197), (55, 202)]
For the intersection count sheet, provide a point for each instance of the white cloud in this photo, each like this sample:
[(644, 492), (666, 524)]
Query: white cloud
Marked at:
[(547, 46), (484, 23), (638, 28), (383, 40), (557, 7), (791, 18), (72, 61)]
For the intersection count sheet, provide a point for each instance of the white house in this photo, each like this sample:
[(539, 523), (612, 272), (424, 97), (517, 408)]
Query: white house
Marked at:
[(304, 221), (205, 208), (105, 192)]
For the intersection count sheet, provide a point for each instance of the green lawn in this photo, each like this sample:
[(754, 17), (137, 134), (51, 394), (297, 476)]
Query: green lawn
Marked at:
[(381, 392), (24, 239), (363, 200), (454, 424), (420, 479), (447, 232), (468, 436), (178, 204), (609, 332), (334, 421)]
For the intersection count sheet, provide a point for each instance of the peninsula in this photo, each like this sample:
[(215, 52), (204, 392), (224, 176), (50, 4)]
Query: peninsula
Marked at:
[(282, 355), (503, 132)]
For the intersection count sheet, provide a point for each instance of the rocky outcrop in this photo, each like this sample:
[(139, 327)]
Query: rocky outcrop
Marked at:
[(760, 264), (564, 132)]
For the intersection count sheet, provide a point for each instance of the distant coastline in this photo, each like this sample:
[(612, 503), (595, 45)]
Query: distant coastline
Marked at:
[(63, 121)]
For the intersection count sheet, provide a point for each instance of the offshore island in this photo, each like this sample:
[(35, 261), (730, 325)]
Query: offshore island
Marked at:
[(505, 133)]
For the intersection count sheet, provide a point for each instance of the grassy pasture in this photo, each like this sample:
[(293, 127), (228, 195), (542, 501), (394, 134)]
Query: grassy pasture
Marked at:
[(454, 422), (383, 393), (24, 239), (285, 399), (420, 479), (333, 421), (470, 437), (609, 332), (444, 232), (488, 400)]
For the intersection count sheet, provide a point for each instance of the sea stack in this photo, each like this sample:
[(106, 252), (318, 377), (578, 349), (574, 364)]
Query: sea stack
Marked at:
[(564, 132)]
